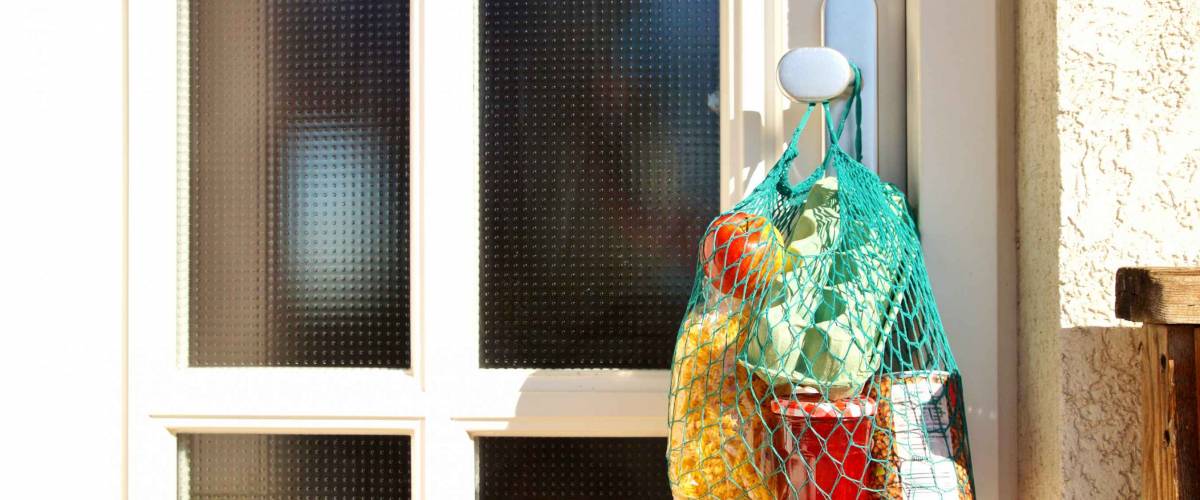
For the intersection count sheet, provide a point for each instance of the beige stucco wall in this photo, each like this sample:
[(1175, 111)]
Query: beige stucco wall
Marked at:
[(1108, 176)]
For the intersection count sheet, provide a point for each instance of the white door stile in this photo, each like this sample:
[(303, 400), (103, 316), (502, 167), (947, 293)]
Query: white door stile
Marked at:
[(449, 241), (152, 244)]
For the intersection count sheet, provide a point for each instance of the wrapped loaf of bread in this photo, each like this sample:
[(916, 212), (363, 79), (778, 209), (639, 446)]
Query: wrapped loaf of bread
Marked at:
[(719, 447)]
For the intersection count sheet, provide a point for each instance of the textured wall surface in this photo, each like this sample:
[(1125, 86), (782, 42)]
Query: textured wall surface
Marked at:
[(1109, 176)]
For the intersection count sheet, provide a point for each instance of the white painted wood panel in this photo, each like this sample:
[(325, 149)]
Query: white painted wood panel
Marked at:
[(958, 130), (62, 199)]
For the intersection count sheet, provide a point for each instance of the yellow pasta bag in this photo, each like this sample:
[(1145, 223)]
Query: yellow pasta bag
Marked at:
[(719, 446)]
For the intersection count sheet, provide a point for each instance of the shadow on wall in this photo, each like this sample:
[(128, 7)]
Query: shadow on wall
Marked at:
[(1101, 425)]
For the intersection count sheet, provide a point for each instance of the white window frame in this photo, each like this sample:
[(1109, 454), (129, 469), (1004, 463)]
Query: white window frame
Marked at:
[(445, 400)]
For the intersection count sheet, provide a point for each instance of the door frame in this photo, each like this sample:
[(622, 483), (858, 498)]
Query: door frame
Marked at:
[(962, 168), (959, 57)]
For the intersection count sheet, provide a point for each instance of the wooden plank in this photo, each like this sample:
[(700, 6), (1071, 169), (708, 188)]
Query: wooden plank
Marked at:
[(1196, 342), (1181, 351), (1167, 300), (1158, 445), (1164, 295), (1170, 413)]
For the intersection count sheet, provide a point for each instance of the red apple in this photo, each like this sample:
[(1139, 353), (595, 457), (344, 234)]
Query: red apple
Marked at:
[(742, 253)]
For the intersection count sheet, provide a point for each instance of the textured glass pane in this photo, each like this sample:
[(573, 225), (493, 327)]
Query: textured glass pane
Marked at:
[(513, 468), (600, 170), (298, 180), (268, 467)]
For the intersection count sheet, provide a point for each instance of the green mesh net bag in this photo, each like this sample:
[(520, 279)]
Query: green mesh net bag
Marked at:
[(811, 362)]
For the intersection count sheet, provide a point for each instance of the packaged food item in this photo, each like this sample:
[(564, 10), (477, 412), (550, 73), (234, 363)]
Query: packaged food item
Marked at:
[(718, 446), (918, 445), (826, 447)]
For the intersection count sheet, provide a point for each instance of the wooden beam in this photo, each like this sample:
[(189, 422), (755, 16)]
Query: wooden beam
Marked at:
[(1159, 470), (1167, 300), (1170, 413), (1181, 350), (1162, 295)]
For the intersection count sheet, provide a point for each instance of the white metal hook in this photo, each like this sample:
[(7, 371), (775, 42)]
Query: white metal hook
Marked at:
[(814, 74)]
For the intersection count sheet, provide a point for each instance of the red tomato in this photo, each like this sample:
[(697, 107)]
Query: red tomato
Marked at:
[(742, 253)]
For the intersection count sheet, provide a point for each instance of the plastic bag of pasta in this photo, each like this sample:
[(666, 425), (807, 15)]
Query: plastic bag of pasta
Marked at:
[(812, 362)]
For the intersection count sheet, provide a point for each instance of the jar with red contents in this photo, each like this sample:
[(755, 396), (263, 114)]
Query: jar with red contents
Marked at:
[(825, 447)]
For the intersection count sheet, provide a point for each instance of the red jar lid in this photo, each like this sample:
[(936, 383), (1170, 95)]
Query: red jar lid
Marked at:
[(842, 408)]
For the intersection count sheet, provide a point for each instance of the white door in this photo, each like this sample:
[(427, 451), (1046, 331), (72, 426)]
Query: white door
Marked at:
[(383, 248)]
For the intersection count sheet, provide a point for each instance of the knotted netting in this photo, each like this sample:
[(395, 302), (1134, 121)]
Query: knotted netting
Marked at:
[(811, 362)]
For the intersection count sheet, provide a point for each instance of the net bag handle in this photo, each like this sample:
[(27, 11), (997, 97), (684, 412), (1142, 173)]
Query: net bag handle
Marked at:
[(778, 172)]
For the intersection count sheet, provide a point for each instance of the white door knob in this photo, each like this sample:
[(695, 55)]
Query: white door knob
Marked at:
[(814, 74)]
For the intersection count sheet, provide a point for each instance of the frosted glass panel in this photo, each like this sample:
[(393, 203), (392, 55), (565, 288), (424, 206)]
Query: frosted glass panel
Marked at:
[(600, 163), (298, 183), (277, 467), (512, 468)]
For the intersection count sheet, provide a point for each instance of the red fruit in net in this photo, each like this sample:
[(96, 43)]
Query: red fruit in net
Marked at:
[(742, 253)]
